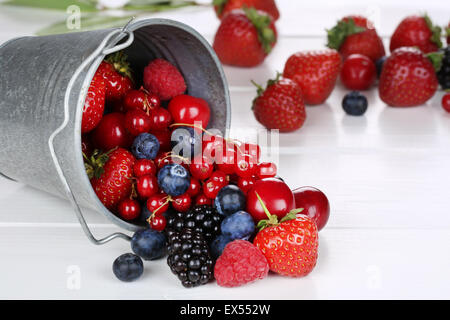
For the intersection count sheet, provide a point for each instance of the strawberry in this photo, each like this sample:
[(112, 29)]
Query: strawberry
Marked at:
[(110, 174), (94, 105), (290, 246), (116, 71), (245, 37), (315, 72), (408, 78), (223, 7), (416, 31), (280, 105), (355, 34)]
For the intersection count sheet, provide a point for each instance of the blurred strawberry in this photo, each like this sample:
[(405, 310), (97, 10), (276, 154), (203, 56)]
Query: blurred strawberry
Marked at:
[(223, 7), (245, 37), (94, 105)]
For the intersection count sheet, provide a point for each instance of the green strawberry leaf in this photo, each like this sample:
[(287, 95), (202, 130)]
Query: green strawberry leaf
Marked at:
[(338, 34), (220, 5), (120, 62), (291, 215), (435, 31), (262, 23), (436, 60)]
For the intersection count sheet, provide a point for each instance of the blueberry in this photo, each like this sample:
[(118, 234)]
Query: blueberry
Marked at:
[(174, 179), (354, 103), (229, 200), (149, 244), (145, 146), (379, 65), (128, 267), (186, 142), (239, 225), (218, 244)]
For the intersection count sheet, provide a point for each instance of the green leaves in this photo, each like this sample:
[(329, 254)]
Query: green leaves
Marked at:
[(436, 60), (262, 24), (435, 31), (337, 35), (86, 5)]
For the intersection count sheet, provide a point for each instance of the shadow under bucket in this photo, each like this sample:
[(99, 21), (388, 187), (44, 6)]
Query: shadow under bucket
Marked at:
[(43, 85)]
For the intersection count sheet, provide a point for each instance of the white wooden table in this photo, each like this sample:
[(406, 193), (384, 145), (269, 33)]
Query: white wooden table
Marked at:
[(387, 175)]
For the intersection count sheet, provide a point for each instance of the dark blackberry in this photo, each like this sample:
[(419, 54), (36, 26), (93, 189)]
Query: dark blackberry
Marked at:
[(204, 219), (444, 73), (189, 258)]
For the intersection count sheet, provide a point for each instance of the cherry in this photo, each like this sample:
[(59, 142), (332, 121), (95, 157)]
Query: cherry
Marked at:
[(164, 138), (446, 102), (245, 184), (129, 209), (162, 159), (266, 170), (160, 118), (314, 203), (275, 194), (147, 186), (111, 132), (137, 122), (158, 223), (135, 99), (182, 203), (194, 187), (201, 168), (358, 72), (211, 188), (144, 167), (189, 110), (158, 202), (201, 200), (245, 166)]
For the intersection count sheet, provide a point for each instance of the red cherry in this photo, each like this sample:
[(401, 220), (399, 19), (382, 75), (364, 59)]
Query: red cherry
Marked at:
[(189, 110), (358, 72), (144, 167), (135, 99), (164, 137), (211, 188), (182, 203), (201, 168), (275, 194), (245, 166), (446, 102), (315, 204), (201, 200), (162, 159), (117, 106), (137, 122), (129, 209), (158, 203), (160, 118), (111, 132), (158, 223), (194, 187), (153, 101), (245, 184), (147, 186), (266, 170)]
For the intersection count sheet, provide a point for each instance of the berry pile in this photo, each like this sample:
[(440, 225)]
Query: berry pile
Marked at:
[(152, 161)]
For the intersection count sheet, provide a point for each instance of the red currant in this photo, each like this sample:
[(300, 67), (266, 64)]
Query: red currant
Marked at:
[(129, 209), (201, 200), (245, 166), (147, 186), (144, 167), (137, 122), (266, 170), (245, 184), (194, 187), (220, 177), (158, 203), (182, 203), (158, 223), (201, 168), (226, 161), (135, 99), (252, 150), (211, 188), (160, 118)]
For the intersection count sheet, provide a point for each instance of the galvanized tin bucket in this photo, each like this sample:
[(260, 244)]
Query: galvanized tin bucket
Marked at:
[(43, 84)]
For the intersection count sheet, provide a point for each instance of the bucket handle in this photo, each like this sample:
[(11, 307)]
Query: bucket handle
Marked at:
[(102, 49)]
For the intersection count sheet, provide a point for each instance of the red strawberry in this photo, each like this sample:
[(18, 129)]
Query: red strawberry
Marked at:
[(116, 71), (245, 38), (280, 105), (315, 72), (223, 7), (94, 105), (163, 79), (290, 246), (408, 78), (110, 175), (355, 34), (415, 31)]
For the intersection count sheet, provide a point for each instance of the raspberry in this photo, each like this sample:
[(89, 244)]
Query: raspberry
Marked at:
[(240, 263), (163, 79)]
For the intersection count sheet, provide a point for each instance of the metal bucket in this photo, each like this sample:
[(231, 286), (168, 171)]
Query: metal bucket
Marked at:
[(43, 85)]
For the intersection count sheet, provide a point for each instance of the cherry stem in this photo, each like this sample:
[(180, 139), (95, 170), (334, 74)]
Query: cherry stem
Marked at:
[(168, 199), (263, 206)]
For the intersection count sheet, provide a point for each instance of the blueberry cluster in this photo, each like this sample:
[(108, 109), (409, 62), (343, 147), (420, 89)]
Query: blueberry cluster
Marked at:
[(444, 72)]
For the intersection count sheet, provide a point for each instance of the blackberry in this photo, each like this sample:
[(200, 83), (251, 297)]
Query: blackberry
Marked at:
[(203, 219), (189, 258), (444, 73)]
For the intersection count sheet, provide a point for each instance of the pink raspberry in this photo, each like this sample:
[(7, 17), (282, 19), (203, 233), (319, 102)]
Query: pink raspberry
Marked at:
[(240, 263), (163, 79)]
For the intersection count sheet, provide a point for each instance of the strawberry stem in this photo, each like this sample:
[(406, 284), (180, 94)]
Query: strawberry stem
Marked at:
[(343, 29)]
